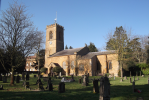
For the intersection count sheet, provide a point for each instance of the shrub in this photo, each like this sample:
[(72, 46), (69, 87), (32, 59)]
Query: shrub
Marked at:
[(43, 70), (57, 69)]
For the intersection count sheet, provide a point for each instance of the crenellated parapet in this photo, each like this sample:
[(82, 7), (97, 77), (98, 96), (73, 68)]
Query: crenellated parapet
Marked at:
[(54, 25)]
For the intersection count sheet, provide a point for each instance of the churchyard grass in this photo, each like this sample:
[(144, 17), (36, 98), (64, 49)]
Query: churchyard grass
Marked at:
[(74, 90)]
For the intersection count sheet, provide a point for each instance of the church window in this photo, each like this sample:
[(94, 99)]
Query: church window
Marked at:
[(72, 65), (64, 65), (110, 64), (81, 67), (51, 35)]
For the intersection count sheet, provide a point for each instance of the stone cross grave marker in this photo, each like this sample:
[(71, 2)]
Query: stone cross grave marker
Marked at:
[(130, 79), (95, 86), (104, 88), (61, 87)]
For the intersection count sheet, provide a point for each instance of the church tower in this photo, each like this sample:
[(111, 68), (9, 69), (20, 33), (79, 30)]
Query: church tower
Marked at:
[(54, 39)]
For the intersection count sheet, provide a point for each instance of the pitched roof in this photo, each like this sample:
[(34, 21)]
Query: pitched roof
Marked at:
[(66, 52), (92, 54)]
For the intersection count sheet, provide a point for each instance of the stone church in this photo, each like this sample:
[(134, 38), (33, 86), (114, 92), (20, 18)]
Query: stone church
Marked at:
[(77, 61)]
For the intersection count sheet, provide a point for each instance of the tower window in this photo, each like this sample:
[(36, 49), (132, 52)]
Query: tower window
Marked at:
[(51, 35)]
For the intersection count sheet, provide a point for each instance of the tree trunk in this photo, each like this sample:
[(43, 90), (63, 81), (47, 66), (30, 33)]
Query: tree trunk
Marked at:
[(121, 65), (12, 75)]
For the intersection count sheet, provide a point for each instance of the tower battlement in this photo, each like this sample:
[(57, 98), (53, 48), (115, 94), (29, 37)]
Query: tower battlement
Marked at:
[(54, 25)]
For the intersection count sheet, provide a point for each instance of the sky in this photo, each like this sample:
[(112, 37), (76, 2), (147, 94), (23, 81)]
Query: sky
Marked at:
[(88, 21)]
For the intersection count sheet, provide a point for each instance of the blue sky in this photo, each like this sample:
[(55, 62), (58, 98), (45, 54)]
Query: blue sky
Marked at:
[(88, 21)]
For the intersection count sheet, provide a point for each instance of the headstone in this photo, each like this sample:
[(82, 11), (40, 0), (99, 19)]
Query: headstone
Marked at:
[(133, 78), (27, 76), (140, 73), (114, 77), (72, 77), (130, 79), (1, 88), (80, 80), (4, 79), (17, 79), (61, 87), (104, 88), (34, 76), (85, 83), (0, 77), (121, 80), (23, 76), (130, 73), (125, 78), (95, 86), (60, 74), (26, 85), (133, 86)]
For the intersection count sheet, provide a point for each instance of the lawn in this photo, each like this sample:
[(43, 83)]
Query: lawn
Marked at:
[(74, 90)]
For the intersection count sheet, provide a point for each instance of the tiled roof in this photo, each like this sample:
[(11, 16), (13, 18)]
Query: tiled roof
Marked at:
[(66, 52)]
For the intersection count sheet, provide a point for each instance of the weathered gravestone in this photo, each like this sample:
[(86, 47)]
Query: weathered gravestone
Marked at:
[(1, 88), (4, 79), (125, 77), (104, 89), (26, 85), (80, 80), (49, 86), (17, 79), (85, 82), (23, 76), (95, 86), (133, 86), (27, 76), (0, 77), (130, 79), (61, 87)]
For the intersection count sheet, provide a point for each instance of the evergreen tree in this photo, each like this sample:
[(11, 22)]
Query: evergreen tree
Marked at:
[(92, 47), (70, 47), (66, 47)]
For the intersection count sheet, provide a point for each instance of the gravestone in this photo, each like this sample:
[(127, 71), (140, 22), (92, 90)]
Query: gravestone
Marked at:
[(72, 77), (133, 78), (130, 73), (60, 74), (49, 86), (133, 86), (104, 88), (142, 75), (4, 79), (1, 88), (125, 78), (27, 76), (0, 77), (95, 86), (26, 85), (23, 76), (80, 80), (61, 87), (85, 83), (121, 80), (130, 79), (17, 79), (114, 77)]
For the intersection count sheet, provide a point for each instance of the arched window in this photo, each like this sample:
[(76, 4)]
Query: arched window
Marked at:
[(110, 65), (72, 65), (81, 67), (51, 35), (64, 65)]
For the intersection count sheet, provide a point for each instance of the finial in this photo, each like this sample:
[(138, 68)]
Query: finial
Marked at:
[(56, 18)]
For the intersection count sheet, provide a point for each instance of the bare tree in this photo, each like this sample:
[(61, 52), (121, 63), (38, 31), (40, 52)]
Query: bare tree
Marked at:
[(18, 33)]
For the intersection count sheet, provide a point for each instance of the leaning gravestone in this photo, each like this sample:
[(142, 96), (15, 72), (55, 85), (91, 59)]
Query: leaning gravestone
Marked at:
[(95, 86), (4, 79), (0, 77), (104, 88), (61, 87)]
